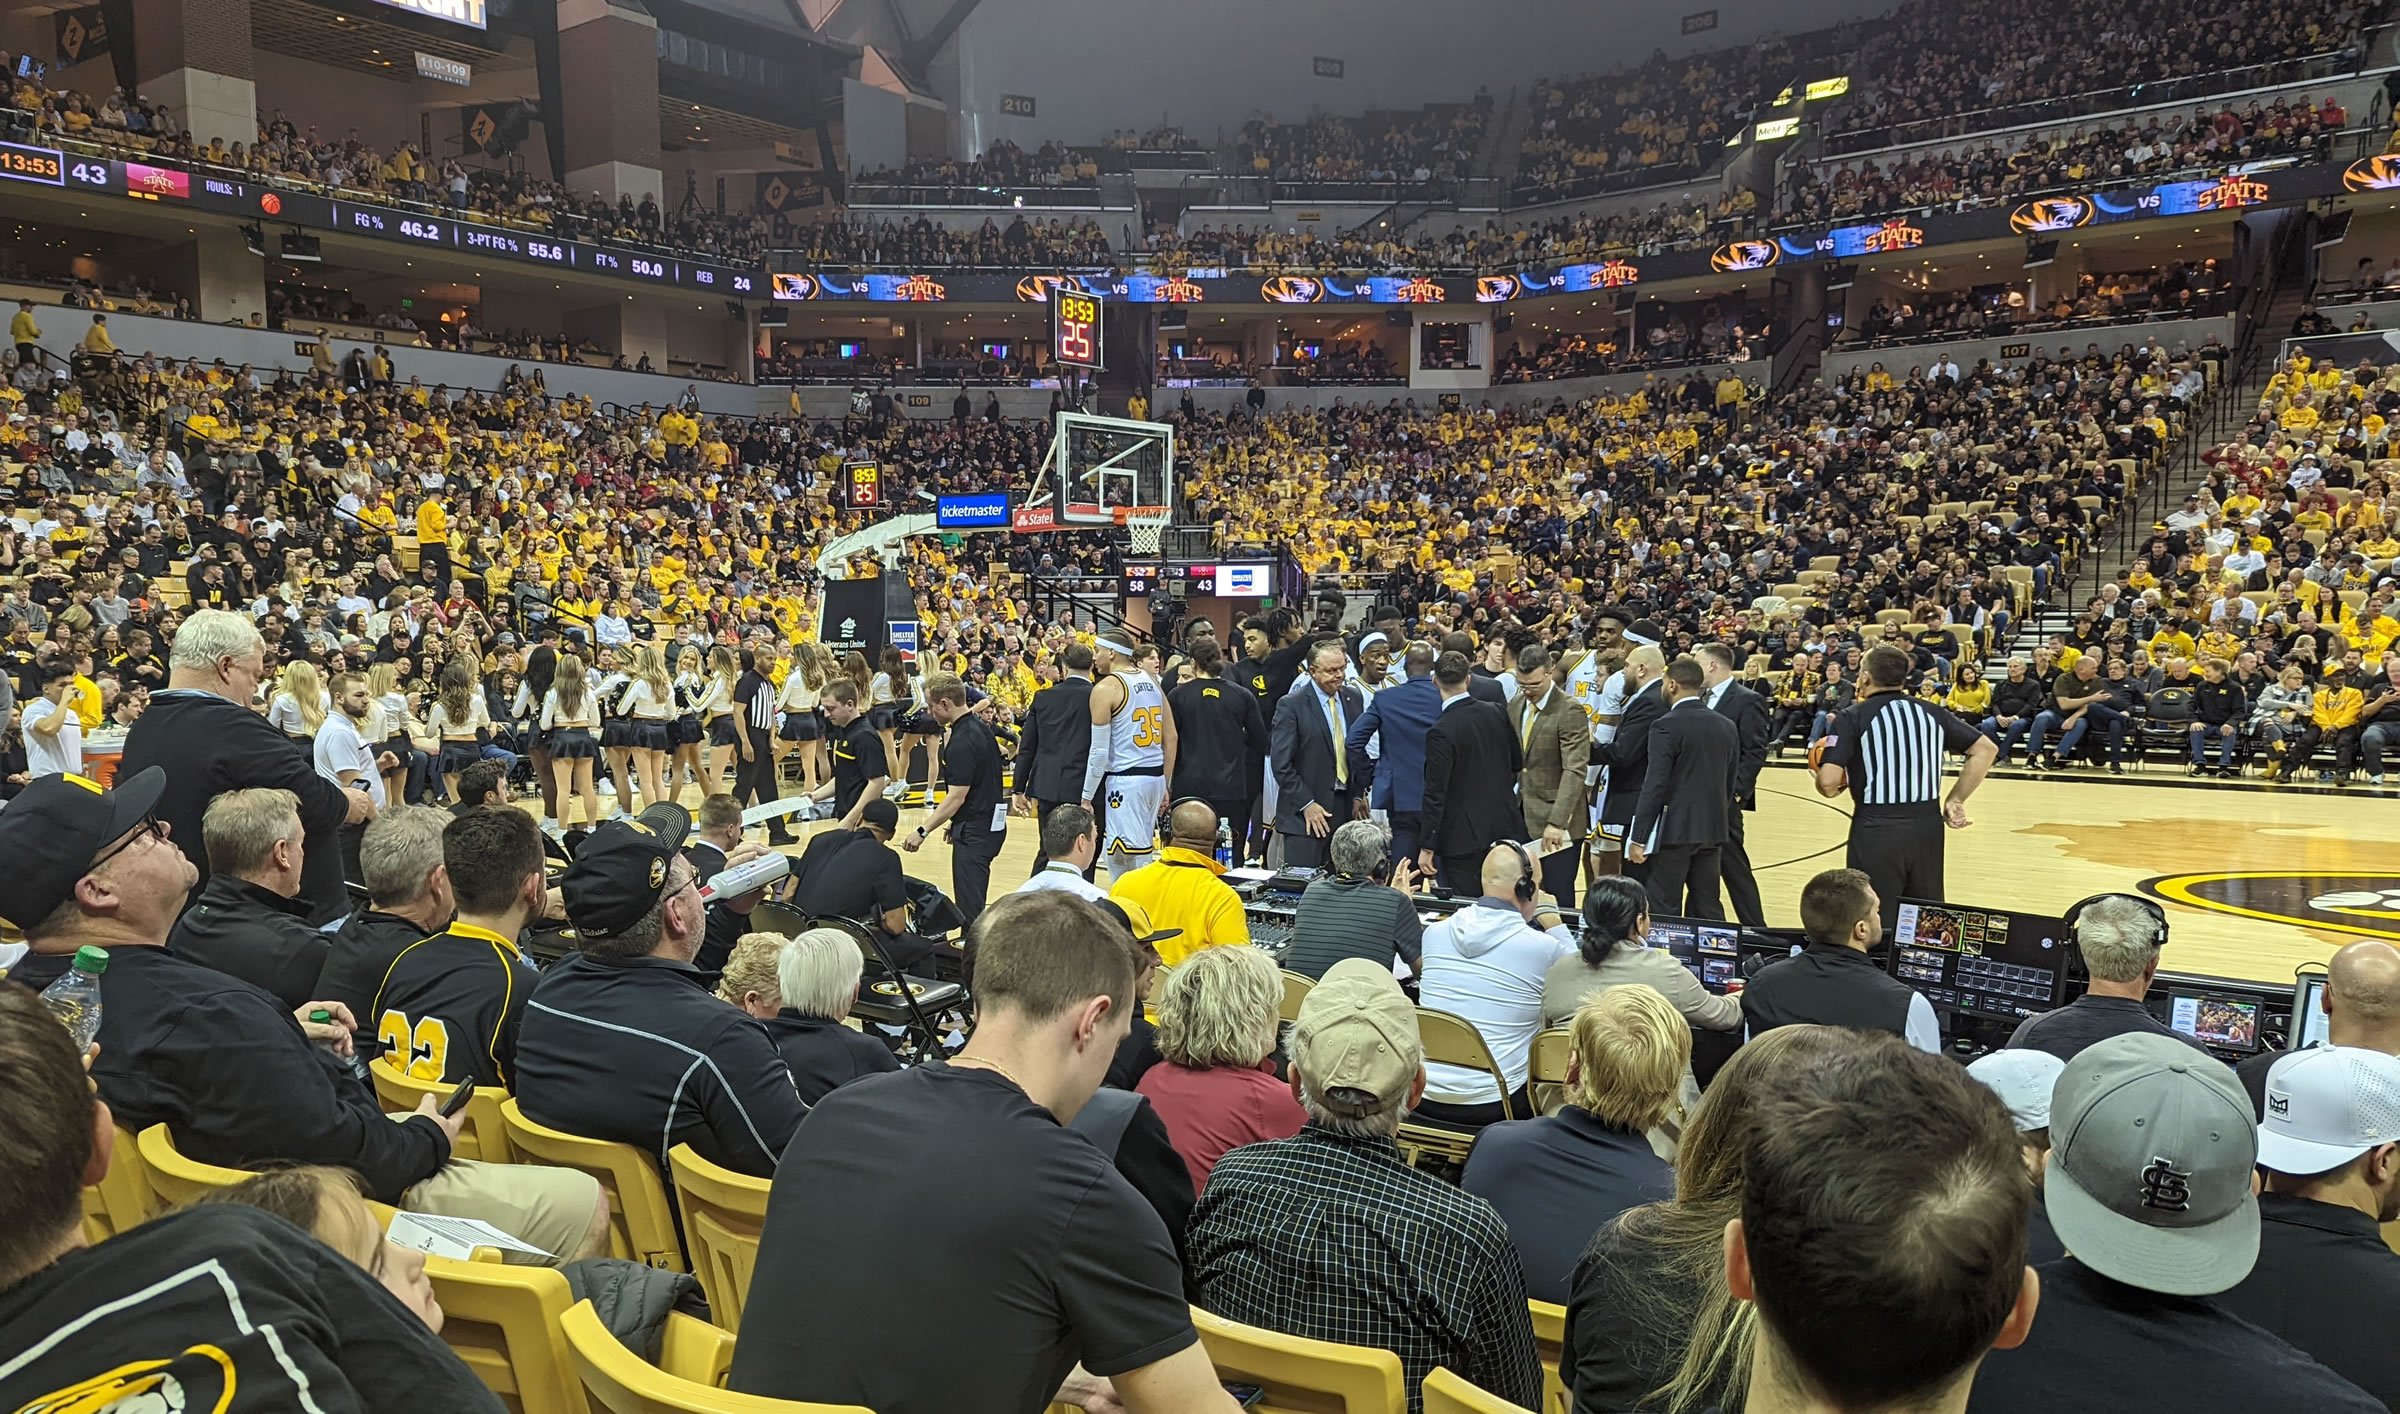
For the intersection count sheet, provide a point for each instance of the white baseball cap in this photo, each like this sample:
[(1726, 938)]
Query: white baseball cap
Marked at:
[(2023, 1080), (2326, 1106)]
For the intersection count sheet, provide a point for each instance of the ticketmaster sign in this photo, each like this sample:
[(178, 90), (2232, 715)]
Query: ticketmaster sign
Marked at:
[(457, 12)]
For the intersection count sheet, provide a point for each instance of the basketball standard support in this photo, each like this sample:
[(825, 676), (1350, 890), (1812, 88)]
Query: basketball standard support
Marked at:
[(883, 538)]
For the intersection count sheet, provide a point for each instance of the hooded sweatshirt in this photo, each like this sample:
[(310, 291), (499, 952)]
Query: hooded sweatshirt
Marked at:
[(1485, 963)]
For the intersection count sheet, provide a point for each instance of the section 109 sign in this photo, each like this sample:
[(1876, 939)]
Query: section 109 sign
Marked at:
[(1075, 328)]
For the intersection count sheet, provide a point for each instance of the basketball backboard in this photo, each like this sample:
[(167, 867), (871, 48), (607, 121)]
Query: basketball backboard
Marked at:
[(1108, 470)]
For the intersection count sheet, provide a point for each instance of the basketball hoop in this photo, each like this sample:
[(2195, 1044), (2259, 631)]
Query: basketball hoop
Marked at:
[(1145, 525)]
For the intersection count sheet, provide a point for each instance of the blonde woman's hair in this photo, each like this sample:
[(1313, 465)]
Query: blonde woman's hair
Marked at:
[(652, 669), (750, 967), (383, 678), (301, 684), (1631, 1050), (815, 665), (1220, 1008), (568, 684), (819, 971)]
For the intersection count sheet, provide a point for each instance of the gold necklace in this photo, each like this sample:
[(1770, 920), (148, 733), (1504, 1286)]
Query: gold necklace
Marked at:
[(992, 1065)]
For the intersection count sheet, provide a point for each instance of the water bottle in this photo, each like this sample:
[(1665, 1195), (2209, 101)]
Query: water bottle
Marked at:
[(1225, 843), (75, 998), (356, 1060)]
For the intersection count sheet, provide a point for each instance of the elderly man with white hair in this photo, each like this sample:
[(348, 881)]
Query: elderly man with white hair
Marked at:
[(201, 731), (801, 987)]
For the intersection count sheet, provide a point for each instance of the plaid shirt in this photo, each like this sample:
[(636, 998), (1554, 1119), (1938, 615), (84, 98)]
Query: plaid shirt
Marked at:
[(1335, 1238)]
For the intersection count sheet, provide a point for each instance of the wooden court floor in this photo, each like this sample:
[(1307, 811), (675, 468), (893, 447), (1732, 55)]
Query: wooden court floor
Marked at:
[(2256, 879)]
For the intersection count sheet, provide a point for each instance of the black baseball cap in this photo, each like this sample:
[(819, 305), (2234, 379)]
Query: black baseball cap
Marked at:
[(56, 827), (621, 871), (882, 814)]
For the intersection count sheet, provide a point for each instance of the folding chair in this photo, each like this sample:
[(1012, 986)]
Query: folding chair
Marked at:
[(1550, 1344), (640, 1224), (723, 1212), (1450, 1040), (618, 1381), (1547, 1073), (483, 1137), (1299, 1373), (1446, 1393), (1295, 991), (889, 998)]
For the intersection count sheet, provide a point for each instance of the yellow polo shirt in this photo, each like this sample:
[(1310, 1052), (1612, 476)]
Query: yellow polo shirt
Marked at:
[(1182, 890)]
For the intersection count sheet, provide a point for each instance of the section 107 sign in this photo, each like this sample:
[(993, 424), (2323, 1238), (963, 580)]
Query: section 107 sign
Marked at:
[(1075, 328)]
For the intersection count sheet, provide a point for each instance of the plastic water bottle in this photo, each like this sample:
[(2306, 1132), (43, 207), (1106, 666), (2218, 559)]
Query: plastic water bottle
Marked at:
[(1225, 843), (354, 1061), (75, 998)]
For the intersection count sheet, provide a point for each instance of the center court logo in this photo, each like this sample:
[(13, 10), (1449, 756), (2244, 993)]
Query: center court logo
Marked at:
[(2360, 905)]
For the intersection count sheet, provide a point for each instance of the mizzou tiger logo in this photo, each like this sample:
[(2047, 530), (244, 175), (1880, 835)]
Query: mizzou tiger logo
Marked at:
[(1494, 289), (2051, 213), (1035, 289), (1292, 289), (2380, 172), (2362, 905), (1745, 255)]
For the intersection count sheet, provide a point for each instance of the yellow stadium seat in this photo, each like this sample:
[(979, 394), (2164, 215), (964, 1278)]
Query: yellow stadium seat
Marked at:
[(640, 1224), (1550, 1051), (1451, 1040), (178, 1180), (483, 1137), (124, 1198), (1446, 1393), (1295, 991), (722, 1214), (617, 1380), (692, 1349), (503, 1322), (1550, 1343), (1299, 1373)]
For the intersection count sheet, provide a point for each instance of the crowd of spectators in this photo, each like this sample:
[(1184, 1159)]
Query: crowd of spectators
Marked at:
[(1436, 143), (2082, 158), (1987, 63), (1653, 122), (1002, 165), (2182, 289), (1042, 243)]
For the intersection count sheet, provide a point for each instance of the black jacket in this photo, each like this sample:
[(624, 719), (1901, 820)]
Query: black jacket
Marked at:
[(362, 952), (2018, 699), (1472, 761), (825, 1055), (1628, 755), (1300, 742), (1055, 741), (1826, 985), (209, 745), (1220, 736), (1754, 724), (1688, 786), (640, 1051), (234, 1079), (249, 931)]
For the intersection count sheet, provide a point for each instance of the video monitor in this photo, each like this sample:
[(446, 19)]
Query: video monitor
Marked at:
[(2309, 1022), (2222, 1022), (1990, 962), (1709, 950)]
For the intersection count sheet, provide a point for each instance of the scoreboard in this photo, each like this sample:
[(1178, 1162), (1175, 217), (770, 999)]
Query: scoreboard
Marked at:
[(1252, 579), (1075, 337), (865, 485)]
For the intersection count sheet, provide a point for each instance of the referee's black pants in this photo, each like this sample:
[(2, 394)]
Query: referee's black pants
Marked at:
[(754, 780), (1902, 854)]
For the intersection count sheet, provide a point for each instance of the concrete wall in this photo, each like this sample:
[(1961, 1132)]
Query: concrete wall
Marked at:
[(1898, 359)]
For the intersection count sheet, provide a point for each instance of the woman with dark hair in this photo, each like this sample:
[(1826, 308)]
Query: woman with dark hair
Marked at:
[(1613, 951)]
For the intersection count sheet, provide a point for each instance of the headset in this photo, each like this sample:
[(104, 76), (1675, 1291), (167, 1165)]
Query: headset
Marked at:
[(1525, 889), (2158, 917)]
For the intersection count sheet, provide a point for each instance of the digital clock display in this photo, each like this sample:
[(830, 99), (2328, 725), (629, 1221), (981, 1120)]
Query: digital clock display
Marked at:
[(46, 165), (1075, 327)]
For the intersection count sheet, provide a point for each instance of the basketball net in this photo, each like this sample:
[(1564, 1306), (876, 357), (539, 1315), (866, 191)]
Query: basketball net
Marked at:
[(1144, 527)]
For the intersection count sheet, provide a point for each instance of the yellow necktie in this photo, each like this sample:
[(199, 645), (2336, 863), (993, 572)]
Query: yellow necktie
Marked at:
[(1525, 730), (1341, 749)]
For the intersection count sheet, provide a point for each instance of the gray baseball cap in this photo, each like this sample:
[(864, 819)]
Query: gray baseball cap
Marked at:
[(2152, 1148)]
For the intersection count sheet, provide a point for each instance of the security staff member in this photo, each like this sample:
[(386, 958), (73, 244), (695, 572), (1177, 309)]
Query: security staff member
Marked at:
[(860, 768), (1886, 750), (451, 1004), (1221, 737), (1831, 982), (974, 806)]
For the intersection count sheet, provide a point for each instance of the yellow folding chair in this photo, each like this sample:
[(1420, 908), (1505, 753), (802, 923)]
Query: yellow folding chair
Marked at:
[(1548, 1068), (1299, 1373), (1446, 1393), (503, 1323), (123, 1198), (640, 1224), (1451, 1040), (723, 1212), (621, 1382), (482, 1137), (1550, 1343), (175, 1179)]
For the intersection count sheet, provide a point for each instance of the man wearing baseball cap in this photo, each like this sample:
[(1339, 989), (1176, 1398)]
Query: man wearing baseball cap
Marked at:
[(2024, 1081), (625, 1040), (1425, 1270), (2330, 1144), (2152, 1149), (238, 1081)]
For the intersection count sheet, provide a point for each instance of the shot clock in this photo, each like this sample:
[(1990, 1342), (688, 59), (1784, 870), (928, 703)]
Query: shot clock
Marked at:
[(1075, 328)]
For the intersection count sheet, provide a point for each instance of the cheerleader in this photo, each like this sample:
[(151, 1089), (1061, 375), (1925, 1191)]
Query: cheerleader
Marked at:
[(391, 728), (886, 693), (800, 726), (298, 710), (912, 724), (649, 707), (570, 717), (616, 729), (691, 689), (459, 721), (716, 709)]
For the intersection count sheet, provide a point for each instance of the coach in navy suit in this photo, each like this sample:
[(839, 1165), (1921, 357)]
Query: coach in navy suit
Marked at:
[(1472, 761), (1676, 838), (1319, 782), (1402, 713)]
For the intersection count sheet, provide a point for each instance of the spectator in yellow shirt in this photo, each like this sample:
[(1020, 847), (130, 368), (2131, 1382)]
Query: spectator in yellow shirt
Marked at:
[(96, 341), (433, 534), (2334, 719), (22, 331), (1182, 890)]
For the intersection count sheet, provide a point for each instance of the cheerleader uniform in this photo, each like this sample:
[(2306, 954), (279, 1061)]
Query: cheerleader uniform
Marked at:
[(284, 715), (798, 703), (881, 714), (716, 709), (690, 689), (616, 729), (647, 717), (392, 711), (571, 736), (462, 745)]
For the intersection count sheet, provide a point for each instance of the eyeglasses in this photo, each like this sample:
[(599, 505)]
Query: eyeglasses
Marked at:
[(151, 825)]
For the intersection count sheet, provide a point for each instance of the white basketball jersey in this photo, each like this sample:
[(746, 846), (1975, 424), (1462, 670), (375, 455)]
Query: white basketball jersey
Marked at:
[(1137, 736)]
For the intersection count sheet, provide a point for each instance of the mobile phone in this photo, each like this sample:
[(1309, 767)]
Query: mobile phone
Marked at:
[(457, 1099), (1246, 1396)]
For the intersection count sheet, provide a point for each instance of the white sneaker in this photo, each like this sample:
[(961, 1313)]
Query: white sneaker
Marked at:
[(554, 829), (897, 790), (608, 788), (2375, 780)]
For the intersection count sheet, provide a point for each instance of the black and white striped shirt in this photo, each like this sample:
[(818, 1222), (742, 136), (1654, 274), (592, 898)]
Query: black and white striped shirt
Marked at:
[(757, 694), (1892, 745)]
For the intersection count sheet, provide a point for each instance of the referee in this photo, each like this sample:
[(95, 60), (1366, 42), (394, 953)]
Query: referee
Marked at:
[(1886, 750)]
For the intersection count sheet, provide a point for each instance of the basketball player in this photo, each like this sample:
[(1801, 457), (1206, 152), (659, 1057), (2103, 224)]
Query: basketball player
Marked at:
[(1602, 685), (1132, 758)]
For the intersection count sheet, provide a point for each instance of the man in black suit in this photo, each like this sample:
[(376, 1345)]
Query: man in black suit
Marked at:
[(1314, 790), (1471, 765), (1628, 753), (1220, 737), (1754, 726), (1056, 741), (1680, 823)]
